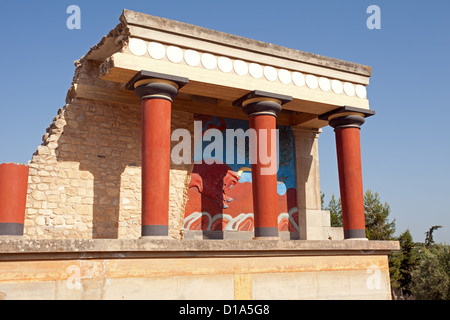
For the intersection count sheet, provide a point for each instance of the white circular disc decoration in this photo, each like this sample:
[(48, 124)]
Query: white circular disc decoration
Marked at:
[(137, 47), (209, 61), (270, 73), (361, 91), (174, 54), (311, 81), (324, 84), (337, 86), (192, 57), (156, 50), (349, 89), (255, 70), (225, 64), (298, 78), (284, 76), (240, 67)]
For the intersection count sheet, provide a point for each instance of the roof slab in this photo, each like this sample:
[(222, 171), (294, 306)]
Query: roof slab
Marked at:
[(221, 68)]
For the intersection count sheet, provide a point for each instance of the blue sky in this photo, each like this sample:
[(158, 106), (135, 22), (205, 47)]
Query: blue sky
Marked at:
[(405, 147)]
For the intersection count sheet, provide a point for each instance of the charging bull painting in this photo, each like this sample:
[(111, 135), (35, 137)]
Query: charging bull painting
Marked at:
[(220, 191)]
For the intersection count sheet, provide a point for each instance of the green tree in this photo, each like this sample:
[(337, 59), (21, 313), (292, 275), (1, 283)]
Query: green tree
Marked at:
[(402, 264), (429, 241), (408, 261), (378, 226), (431, 279), (395, 260), (376, 215), (334, 206)]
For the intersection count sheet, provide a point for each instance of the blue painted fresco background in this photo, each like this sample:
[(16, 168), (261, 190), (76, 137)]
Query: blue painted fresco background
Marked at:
[(286, 153)]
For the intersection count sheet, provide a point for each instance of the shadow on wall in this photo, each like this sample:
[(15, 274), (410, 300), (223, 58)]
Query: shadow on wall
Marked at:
[(104, 139)]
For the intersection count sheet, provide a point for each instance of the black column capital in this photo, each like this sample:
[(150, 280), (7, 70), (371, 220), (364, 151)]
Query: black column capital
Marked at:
[(346, 117), (261, 102), (152, 85)]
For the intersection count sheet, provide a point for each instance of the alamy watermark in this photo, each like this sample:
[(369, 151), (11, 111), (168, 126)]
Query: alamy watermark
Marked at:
[(374, 280), (74, 20), (74, 278), (374, 20), (210, 146)]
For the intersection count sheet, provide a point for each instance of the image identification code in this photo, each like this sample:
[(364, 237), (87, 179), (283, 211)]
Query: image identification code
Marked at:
[(225, 310)]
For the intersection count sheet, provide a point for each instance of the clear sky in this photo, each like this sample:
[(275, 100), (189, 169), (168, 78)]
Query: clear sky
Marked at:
[(405, 147)]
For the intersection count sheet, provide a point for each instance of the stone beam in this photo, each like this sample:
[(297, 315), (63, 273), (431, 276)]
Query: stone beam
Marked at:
[(189, 103)]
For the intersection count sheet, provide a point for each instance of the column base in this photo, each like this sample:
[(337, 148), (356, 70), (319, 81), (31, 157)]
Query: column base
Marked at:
[(358, 239), (266, 232), (354, 234), (154, 231), (11, 229)]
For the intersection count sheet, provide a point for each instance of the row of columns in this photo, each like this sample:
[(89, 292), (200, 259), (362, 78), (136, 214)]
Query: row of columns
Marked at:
[(157, 92)]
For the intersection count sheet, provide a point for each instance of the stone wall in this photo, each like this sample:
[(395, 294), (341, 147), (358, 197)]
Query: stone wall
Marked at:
[(85, 179)]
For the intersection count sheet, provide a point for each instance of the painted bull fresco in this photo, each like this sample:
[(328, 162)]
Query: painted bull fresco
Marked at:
[(220, 194)]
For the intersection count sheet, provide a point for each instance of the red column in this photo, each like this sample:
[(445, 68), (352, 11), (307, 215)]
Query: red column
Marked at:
[(350, 181), (347, 123), (157, 92), (156, 116), (262, 109), (264, 184), (13, 197)]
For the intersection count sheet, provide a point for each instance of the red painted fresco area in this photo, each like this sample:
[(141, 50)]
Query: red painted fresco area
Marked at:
[(215, 190), (214, 181)]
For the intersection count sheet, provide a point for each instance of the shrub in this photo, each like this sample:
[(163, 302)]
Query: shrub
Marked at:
[(431, 278)]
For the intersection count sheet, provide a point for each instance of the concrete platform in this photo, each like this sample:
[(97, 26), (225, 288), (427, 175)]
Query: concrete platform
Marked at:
[(194, 269)]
